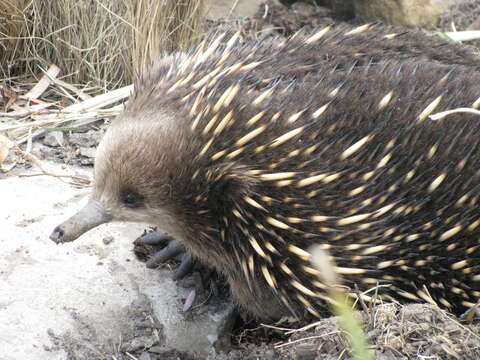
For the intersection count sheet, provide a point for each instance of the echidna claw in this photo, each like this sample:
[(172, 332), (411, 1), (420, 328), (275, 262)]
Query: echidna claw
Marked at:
[(170, 249), (156, 238), (186, 267)]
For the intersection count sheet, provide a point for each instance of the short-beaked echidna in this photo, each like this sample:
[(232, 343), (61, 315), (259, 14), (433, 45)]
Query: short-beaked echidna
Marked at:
[(251, 153)]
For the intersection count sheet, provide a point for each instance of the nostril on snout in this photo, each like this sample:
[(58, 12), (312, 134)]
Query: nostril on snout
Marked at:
[(57, 234)]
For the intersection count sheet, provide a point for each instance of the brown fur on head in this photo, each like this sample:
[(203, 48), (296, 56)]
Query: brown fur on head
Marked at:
[(134, 166)]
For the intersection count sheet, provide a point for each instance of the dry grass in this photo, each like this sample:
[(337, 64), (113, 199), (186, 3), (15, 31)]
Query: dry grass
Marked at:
[(162, 27), (96, 43), (86, 39), (416, 331), (12, 29), (54, 103), (92, 43)]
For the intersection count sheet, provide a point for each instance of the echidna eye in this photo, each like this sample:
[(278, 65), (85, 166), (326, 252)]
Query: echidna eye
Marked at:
[(131, 198)]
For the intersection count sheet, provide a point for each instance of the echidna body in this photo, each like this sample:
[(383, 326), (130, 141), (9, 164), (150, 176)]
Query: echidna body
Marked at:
[(250, 154)]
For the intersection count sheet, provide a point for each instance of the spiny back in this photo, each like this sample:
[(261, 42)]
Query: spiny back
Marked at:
[(335, 152)]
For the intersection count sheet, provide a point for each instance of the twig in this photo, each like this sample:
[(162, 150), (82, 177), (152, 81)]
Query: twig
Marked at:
[(72, 88), (101, 100), (307, 338), (43, 84), (25, 112), (443, 114), (38, 163)]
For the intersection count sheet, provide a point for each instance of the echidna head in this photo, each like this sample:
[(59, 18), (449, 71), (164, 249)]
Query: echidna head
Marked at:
[(135, 165), (138, 163)]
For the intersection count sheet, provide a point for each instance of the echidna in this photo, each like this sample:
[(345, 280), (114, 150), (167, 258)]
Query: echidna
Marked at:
[(251, 153)]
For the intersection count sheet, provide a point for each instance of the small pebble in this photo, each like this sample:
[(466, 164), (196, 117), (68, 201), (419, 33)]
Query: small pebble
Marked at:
[(87, 152), (88, 139), (306, 352), (54, 139), (107, 240), (145, 356), (161, 350)]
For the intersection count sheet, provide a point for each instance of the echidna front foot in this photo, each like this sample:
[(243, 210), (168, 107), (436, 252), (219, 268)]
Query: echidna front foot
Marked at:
[(167, 248)]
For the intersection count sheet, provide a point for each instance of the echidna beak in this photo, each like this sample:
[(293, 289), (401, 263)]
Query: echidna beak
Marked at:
[(92, 215)]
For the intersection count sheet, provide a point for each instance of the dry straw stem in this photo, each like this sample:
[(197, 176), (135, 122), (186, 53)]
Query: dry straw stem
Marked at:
[(6, 146), (340, 304), (444, 114), (461, 35), (78, 181), (163, 27), (12, 29), (34, 111)]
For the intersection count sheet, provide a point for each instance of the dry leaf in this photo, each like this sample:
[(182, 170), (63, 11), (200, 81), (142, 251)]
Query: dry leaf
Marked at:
[(5, 145), (8, 97)]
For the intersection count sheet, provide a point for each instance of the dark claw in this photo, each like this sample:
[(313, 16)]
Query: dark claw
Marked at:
[(157, 248), (156, 238), (185, 268), (169, 252)]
